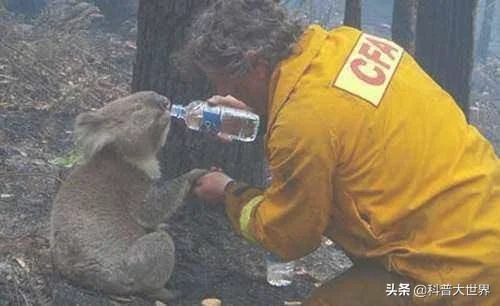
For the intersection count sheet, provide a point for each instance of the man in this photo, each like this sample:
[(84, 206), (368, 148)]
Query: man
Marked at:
[(364, 148)]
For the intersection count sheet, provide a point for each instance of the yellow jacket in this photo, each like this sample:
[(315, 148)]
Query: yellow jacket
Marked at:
[(366, 149)]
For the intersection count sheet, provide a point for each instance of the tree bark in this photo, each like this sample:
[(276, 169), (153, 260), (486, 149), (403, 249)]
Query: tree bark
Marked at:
[(352, 13), (444, 46), (153, 71), (485, 33), (404, 24)]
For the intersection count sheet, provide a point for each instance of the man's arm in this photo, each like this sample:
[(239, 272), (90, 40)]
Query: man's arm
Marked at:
[(289, 217)]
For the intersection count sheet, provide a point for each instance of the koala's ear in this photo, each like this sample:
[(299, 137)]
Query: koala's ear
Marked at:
[(90, 133), (92, 118)]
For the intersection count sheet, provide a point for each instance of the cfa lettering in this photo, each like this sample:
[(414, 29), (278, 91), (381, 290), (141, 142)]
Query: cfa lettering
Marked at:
[(369, 66)]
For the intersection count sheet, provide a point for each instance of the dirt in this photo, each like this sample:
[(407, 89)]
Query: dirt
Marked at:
[(67, 61)]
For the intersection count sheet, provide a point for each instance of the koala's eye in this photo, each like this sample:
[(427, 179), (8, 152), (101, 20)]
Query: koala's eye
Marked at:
[(138, 107)]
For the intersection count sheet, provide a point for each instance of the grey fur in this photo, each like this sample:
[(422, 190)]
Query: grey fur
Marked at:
[(107, 218)]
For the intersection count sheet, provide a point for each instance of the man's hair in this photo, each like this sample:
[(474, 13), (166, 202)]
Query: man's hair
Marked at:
[(222, 34)]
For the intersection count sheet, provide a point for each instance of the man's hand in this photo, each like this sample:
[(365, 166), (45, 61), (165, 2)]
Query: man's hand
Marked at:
[(228, 101), (210, 187)]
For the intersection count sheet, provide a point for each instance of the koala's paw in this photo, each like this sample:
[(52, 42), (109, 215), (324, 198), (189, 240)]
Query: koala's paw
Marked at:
[(195, 174)]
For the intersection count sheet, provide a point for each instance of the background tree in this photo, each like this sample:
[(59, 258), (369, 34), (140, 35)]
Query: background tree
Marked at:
[(210, 258), (29, 8), (117, 11), (445, 44), (352, 13), (315, 11), (485, 33), (404, 23)]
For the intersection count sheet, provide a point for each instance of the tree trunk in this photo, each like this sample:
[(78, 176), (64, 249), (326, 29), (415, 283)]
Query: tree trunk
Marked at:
[(485, 34), (404, 23), (210, 259), (352, 13), (444, 46)]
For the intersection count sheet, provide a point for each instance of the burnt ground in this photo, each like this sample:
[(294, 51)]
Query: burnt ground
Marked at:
[(62, 63)]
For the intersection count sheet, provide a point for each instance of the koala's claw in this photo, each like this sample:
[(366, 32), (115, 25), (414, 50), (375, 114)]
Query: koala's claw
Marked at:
[(195, 174)]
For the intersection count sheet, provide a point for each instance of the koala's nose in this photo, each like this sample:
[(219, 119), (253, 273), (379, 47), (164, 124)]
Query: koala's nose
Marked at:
[(166, 103), (162, 101)]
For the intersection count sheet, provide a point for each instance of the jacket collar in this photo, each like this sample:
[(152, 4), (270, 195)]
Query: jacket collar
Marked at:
[(287, 73)]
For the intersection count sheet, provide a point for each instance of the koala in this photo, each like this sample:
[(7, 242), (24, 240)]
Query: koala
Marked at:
[(108, 216)]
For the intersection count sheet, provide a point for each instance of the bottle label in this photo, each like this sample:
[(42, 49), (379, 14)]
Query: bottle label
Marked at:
[(178, 111), (211, 122)]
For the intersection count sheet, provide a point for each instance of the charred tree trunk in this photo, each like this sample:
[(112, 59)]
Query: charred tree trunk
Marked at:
[(444, 46), (352, 13), (210, 259), (485, 33), (404, 23)]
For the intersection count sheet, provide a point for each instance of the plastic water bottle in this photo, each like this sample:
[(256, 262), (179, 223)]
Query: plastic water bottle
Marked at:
[(279, 273), (235, 124)]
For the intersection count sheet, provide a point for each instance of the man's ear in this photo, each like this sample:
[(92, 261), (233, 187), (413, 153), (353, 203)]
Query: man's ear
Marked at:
[(252, 58), (263, 70), (258, 64)]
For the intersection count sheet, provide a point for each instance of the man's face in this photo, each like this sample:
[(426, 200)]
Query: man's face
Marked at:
[(252, 89)]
